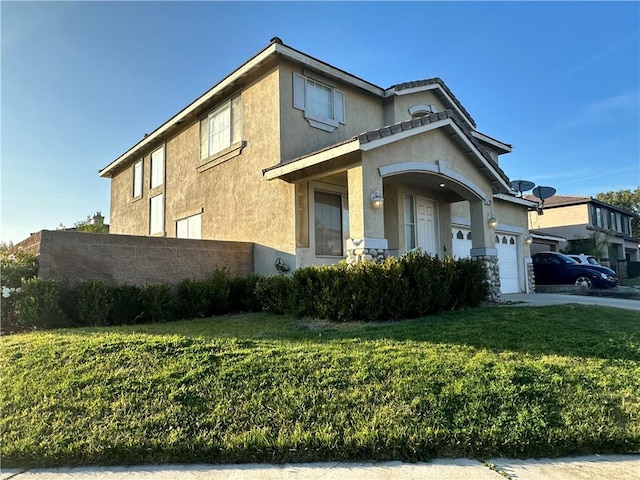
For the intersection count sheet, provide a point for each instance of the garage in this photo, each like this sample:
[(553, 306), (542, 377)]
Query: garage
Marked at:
[(507, 247), (461, 242)]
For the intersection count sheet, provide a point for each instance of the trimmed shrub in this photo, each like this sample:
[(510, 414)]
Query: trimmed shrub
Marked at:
[(39, 307), (219, 287), (127, 306), (411, 286), (242, 293), (469, 286), (158, 303), (93, 301), (193, 298), (274, 293)]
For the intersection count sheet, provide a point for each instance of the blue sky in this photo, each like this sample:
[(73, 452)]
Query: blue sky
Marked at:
[(83, 81)]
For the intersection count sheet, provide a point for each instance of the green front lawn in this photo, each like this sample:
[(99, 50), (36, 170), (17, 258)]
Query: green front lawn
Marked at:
[(493, 381)]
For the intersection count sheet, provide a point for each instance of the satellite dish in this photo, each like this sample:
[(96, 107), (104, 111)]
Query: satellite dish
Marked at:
[(544, 192), (522, 185)]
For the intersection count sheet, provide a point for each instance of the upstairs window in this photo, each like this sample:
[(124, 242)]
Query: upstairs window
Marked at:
[(323, 105), (157, 168), (222, 128), (137, 179)]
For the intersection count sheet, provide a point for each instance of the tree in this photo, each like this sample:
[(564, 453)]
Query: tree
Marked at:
[(93, 224), (627, 199)]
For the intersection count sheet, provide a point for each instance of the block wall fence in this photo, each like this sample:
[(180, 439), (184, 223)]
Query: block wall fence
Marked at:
[(72, 256)]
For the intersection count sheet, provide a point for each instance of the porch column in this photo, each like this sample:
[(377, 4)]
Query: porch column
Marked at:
[(366, 223), (483, 244)]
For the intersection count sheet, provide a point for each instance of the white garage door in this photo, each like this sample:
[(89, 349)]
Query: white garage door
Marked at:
[(461, 242), (508, 262)]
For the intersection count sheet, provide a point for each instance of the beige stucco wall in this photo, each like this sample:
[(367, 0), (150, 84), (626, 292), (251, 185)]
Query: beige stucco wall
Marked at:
[(555, 217), (129, 215), (363, 112), (235, 201), (397, 107)]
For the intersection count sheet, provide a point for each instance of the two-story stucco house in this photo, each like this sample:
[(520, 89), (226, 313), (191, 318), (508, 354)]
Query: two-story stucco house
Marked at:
[(577, 217), (313, 165)]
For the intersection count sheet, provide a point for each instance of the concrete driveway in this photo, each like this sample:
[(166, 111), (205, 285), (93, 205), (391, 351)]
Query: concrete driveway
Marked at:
[(542, 299)]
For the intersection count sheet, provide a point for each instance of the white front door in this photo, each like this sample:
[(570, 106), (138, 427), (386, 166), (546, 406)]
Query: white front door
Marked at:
[(426, 225)]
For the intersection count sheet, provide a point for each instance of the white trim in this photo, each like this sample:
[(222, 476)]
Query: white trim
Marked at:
[(416, 109), (518, 200), (314, 159), (491, 141), (439, 168), (510, 229), (424, 88), (546, 237), (461, 221)]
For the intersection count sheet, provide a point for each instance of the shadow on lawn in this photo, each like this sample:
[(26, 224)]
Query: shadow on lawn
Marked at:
[(567, 330)]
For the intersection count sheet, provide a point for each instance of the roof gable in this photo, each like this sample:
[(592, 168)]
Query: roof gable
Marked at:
[(398, 131)]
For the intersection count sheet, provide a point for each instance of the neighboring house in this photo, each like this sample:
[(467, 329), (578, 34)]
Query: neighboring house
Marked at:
[(577, 218), (275, 154)]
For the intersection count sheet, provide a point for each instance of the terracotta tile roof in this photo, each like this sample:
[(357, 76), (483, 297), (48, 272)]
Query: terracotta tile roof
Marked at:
[(565, 200), (558, 200), (433, 81)]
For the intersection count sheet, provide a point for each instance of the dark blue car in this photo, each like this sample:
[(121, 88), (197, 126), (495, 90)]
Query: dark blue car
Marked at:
[(552, 268)]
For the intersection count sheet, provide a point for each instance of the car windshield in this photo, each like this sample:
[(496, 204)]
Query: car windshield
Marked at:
[(592, 261), (565, 258)]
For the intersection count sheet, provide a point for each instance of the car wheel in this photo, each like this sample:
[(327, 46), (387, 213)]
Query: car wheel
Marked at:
[(583, 280)]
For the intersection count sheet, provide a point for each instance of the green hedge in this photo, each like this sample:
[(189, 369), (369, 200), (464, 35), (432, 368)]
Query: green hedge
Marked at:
[(412, 286)]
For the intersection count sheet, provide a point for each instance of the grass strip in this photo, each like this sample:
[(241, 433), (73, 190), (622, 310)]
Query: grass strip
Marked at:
[(507, 381)]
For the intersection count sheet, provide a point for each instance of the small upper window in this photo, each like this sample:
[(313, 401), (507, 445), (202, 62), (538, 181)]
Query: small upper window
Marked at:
[(157, 168), (323, 105)]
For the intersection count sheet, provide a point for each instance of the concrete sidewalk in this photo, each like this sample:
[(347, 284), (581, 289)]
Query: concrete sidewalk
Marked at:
[(605, 467), (543, 299)]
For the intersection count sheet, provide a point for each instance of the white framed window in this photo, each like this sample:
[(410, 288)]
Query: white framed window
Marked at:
[(156, 214), (409, 223), (331, 216), (323, 105), (190, 227), (222, 127), (137, 179), (157, 167)]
